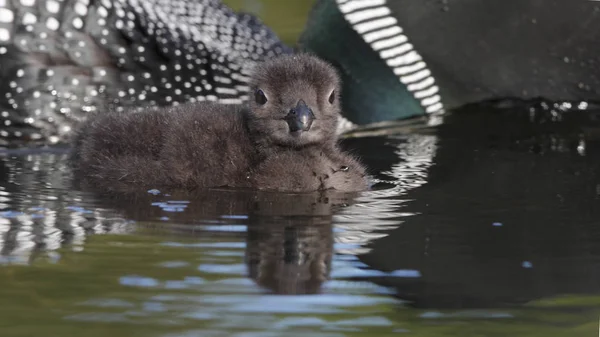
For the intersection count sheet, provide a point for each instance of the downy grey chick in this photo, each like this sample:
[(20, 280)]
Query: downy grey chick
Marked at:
[(284, 139)]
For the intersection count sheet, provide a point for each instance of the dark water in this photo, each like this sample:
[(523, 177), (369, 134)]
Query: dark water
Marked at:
[(488, 225)]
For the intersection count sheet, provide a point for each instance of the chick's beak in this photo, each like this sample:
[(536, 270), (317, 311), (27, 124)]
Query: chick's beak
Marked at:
[(300, 118)]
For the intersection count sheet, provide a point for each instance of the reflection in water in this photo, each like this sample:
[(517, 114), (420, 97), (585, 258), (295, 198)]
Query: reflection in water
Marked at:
[(509, 213), (379, 211), (39, 210), (290, 255), (493, 210), (288, 236)]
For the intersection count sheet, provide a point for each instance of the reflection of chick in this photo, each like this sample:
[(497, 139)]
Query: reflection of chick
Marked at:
[(285, 140), (290, 240), (290, 255)]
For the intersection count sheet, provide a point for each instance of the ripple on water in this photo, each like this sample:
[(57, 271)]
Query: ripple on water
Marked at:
[(174, 264)]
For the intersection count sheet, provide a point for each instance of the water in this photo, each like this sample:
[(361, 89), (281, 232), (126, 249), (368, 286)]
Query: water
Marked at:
[(484, 226)]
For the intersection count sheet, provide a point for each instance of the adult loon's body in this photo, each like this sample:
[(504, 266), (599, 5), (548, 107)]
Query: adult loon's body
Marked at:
[(284, 139), (61, 60)]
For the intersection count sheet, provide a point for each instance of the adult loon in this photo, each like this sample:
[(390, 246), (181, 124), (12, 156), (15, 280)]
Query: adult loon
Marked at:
[(61, 60)]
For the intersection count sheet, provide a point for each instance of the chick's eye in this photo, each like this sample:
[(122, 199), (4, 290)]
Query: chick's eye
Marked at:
[(332, 97), (260, 97)]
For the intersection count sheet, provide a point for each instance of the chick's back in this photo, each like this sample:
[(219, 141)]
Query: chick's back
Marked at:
[(193, 145), (208, 146)]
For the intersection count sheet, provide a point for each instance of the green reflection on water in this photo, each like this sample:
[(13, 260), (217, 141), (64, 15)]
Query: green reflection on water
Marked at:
[(285, 17), (65, 297)]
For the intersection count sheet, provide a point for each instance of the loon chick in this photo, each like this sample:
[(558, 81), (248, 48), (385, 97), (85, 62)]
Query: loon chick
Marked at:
[(284, 139)]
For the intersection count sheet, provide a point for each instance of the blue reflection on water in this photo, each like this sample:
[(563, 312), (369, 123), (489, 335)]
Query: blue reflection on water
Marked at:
[(138, 281), (232, 245)]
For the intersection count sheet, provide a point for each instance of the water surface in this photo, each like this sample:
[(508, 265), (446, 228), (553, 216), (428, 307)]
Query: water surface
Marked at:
[(484, 226)]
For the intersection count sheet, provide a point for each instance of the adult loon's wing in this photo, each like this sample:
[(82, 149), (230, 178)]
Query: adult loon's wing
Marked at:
[(384, 77), (479, 50), (405, 58), (61, 60)]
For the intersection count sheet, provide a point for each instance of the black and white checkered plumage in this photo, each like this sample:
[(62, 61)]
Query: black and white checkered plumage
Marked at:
[(62, 59)]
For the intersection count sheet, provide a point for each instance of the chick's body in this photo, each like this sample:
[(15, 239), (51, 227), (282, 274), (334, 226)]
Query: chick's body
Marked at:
[(200, 144), (285, 140)]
